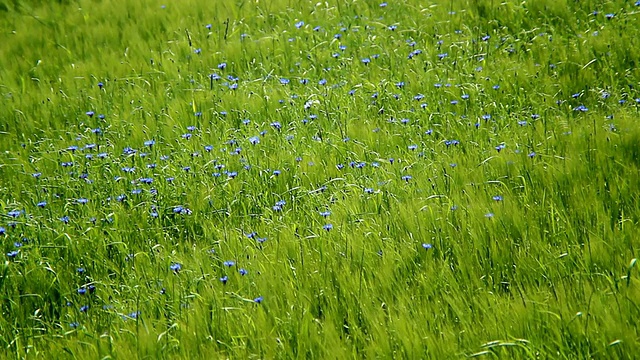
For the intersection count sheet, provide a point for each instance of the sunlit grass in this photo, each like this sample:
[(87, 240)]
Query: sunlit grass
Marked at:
[(294, 179)]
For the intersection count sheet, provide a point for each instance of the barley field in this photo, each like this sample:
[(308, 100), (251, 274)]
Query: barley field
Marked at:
[(340, 179)]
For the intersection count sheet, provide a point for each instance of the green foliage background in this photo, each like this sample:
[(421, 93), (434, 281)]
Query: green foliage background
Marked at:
[(551, 273)]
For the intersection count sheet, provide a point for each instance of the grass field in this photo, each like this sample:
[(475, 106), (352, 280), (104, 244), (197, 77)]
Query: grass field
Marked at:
[(303, 179)]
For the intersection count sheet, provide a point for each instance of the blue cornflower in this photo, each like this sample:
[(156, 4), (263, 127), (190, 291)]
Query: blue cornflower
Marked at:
[(175, 267), (299, 24), (322, 82), (258, 300), (82, 291), (90, 113), (488, 215), (497, 198), (366, 61), (242, 271), (82, 201), (407, 178), (224, 279), (427, 246), (325, 213), (13, 254), (328, 227), (229, 263), (532, 154), (65, 219), (412, 147), (284, 81), (222, 65), (84, 308), (261, 240)]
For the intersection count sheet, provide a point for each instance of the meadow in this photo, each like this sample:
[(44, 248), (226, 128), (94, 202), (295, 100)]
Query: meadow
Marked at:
[(319, 179)]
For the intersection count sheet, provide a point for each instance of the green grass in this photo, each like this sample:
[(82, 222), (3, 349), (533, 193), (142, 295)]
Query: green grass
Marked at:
[(525, 252)]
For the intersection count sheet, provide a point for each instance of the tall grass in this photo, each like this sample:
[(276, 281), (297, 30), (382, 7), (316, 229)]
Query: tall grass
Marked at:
[(475, 198)]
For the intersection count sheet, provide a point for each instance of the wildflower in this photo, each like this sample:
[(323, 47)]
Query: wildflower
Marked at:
[(258, 300), (242, 271), (427, 246), (224, 279), (175, 267), (229, 263), (497, 198), (327, 227)]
